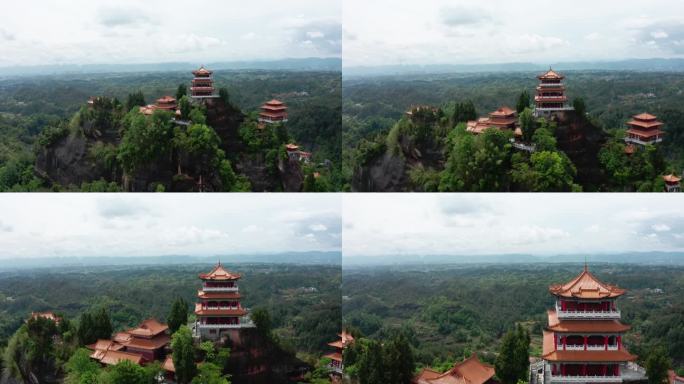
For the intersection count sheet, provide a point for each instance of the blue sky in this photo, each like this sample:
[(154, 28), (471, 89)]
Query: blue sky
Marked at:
[(46, 225), (129, 31), (495, 31), (494, 224)]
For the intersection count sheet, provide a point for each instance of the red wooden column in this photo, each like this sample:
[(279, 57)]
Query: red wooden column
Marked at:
[(586, 342), (605, 342)]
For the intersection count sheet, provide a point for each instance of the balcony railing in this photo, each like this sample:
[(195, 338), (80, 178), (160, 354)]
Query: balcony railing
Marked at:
[(551, 85), (580, 347), (642, 142), (218, 308), (335, 368), (220, 289), (585, 379), (220, 326), (587, 314)]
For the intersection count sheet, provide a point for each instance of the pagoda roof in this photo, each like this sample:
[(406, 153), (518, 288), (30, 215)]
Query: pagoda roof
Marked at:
[(271, 114), (469, 371), (503, 111), (647, 134), (202, 71), (334, 356), (346, 337), (644, 116), (645, 124), (114, 357), (218, 295), (219, 273), (148, 328), (274, 102), (550, 353), (166, 99), (586, 286), (218, 312), (268, 107), (671, 178), (291, 147), (584, 326), (551, 75), (337, 344), (105, 345), (154, 343), (168, 364), (46, 315)]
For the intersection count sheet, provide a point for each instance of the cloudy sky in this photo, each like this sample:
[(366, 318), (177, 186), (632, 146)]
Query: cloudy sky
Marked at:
[(495, 224), (540, 31), (45, 225), (131, 31)]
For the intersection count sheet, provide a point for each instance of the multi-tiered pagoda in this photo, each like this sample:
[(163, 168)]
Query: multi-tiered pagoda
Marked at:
[(503, 118), (643, 129), (672, 183), (336, 362), (272, 112), (583, 340), (219, 309), (550, 97), (202, 85)]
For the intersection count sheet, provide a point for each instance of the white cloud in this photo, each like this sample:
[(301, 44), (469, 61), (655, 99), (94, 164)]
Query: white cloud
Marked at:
[(661, 227), (318, 227)]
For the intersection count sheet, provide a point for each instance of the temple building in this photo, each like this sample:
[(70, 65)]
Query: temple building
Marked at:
[(164, 103), (272, 112), (295, 153), (643, 129), (336, 362), (469, 371), (147, 342), (218, 309), (46, 315), (502, 118), (550, 94), (672, 183), (583, 340), (202, 85)]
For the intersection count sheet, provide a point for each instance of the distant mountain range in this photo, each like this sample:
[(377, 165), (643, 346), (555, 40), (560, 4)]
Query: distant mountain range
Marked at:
[(644, 258), (309, 258), (640, 65), (306, 64)]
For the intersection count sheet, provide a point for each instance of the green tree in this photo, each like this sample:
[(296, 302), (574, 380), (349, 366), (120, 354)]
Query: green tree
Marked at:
[(463, 112), (102, 324), (181, 92), (579, 106), (209, 373), (146, 141), (80, 367), (657, 365), (512, 362), (523, 102), (178, 315), (183, 355), (527, 124), (371, 369), (398, 360), (136, 99), (223, 95), (185, 107), (127, 372), (262, 320)]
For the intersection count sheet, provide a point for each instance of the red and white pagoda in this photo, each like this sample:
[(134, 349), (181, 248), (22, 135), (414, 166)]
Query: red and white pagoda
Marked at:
[(672, 183), (583, 339), (550, 96), (643, 129), (202, 85), (336, 362), (218, 309), (272, 112)]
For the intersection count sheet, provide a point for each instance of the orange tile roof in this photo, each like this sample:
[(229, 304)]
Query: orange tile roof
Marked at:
[(148, 328), (629, 149), (469, 371), (551, 74), (218, 295), (122, 337), (168, 364), (336, 344), (218, 312), (219, 273), (291, 147), (588, 326), (644, 124), (274, 102), (503, 111), (114, 357), (346, 337), (671, 178), (157, 342), (46, 315), (334, 356), (644, 116), (105, 345), (202, 71), (586, 286), (588, 356)]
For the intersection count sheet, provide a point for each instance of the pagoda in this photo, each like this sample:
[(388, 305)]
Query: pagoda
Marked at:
[(469, 371), (672, 183), (643, 129), (218, 309), (550, 97), (502, 118), (272, 112), (202, 84), (583, 340), (336, 362), (145, 343)]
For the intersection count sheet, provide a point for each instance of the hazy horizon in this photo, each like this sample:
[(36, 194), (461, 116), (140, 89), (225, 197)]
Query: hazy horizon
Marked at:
[(499, 31)]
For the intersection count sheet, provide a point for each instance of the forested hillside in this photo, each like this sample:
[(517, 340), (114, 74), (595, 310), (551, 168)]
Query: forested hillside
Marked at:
[(451, 311), (374, 107), (41, 115)]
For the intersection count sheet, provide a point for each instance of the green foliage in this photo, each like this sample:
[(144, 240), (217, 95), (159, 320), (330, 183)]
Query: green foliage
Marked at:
[(183, 355), (262, 320), (464, 112), (147, 141), (185, 107), (512, 363), (638, 171), (372, 362), (178, 315), (580, 107), (209, 373), (528, 124), (524, 102), (657, 365), (136, 99), (181, 92), (126, 372), (80, 367), (547, 171), (94, 325)]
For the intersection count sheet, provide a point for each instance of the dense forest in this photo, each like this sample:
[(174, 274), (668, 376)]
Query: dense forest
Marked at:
[(302, 303), (44, 125), (448, 312), (431, 157)]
